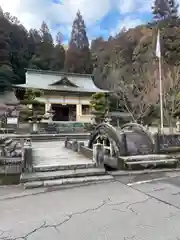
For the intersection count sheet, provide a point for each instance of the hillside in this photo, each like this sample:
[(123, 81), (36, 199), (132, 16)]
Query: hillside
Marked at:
[(134, 50)]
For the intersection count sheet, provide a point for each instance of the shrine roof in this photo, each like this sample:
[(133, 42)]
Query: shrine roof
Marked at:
[(60, 81)]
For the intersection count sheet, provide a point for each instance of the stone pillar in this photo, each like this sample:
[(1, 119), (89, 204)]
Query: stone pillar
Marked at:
[(75, 146), (78, 111), (125, 148), (80, 144), (98, 154), (27, 156), (157, 143), (66, 142)]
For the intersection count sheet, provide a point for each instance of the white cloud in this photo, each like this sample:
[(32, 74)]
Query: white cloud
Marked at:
[(130, 6), (32, 12), (127, 22)]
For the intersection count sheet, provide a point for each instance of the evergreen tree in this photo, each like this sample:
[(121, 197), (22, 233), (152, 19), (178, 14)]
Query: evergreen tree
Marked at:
[(165, 9), (79, 38), (58, 54), (44, 49), (78, 55), (46, 36), (173, 8), (6, 73)]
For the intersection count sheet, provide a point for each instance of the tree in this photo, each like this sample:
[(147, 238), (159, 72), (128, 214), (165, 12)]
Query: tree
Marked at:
[(6, 73), (171, 94), (19, 55), (165, 9), (34, 42), (78, 55), (59, 38), (58, 56), (173, 8), (32, 109), (43, 57), (99, 106), (79, 38), (138, 98)]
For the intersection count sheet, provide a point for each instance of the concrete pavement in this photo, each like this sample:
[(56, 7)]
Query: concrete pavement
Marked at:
[(146, 211)]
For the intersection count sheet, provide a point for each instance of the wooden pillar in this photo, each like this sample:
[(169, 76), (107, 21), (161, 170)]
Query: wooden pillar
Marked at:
[(78, 112), (47, 107)]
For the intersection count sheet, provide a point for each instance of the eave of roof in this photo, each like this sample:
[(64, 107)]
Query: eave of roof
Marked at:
[(61, 88)]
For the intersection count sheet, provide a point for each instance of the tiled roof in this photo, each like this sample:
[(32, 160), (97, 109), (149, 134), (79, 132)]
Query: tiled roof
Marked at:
[(60, 88), (49, 80)]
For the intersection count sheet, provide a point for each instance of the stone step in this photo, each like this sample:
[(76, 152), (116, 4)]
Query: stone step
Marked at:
[(152, 163), (56, 167), (42, 176), (149, 157), (68, 181)]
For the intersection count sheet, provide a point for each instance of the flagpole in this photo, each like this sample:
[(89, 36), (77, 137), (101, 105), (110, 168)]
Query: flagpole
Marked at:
[(158, 54), (161, 95)]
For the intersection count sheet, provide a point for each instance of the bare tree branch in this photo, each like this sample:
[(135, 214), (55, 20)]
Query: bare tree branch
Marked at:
[(139, 95)]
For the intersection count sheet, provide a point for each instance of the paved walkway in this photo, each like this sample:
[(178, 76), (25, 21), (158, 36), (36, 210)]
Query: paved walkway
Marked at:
[(54, 153)]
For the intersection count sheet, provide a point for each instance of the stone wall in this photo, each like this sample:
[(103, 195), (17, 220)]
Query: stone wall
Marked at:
[(167, 143)]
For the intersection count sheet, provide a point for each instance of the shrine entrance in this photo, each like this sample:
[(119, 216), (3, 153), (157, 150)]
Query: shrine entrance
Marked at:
[(64, 112)]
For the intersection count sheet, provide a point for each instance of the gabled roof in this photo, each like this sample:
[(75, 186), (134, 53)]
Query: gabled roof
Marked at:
[(60, 81), (64, 82)]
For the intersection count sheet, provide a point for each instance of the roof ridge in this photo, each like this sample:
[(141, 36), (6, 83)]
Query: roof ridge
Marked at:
[(58, 72)]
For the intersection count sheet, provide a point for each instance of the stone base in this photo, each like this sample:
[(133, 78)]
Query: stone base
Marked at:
[(68, 181), (10, 179)]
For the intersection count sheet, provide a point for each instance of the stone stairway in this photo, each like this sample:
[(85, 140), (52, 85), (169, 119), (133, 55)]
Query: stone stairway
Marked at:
[(150, 161), (54, 165)]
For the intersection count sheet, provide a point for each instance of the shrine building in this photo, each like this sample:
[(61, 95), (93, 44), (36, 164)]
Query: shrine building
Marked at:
[(66, 94)]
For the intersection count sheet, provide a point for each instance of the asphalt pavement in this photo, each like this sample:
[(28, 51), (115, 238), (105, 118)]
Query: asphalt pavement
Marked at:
[(142, 208)]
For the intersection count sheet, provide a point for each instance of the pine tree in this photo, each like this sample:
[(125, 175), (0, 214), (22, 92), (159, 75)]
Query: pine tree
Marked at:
[(79, 38), (173, 8), (58, 59), (45, 33), (160, 9), (78, 55), (165, 9), (43, 56)]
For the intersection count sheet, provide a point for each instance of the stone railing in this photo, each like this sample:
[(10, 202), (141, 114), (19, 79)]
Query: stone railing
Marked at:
[(166, 143), (97, 154), (79, 147)]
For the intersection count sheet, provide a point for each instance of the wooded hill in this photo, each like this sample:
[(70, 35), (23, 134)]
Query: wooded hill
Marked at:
[(126, 63)]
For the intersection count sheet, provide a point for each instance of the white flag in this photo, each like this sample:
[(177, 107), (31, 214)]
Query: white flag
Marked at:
[(158, 46)]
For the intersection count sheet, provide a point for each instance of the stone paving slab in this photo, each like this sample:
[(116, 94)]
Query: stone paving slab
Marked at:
[(54, 153)]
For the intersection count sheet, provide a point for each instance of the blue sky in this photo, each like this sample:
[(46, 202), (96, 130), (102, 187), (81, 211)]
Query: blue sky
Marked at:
[(102, 17)]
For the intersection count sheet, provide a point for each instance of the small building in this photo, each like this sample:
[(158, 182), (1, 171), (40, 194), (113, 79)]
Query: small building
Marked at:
[(66, 94)]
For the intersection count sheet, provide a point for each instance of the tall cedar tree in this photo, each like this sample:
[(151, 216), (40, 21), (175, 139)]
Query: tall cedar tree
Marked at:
[(6, 73), (78, 55), (45, 55), (58, 57), (165, 9)]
